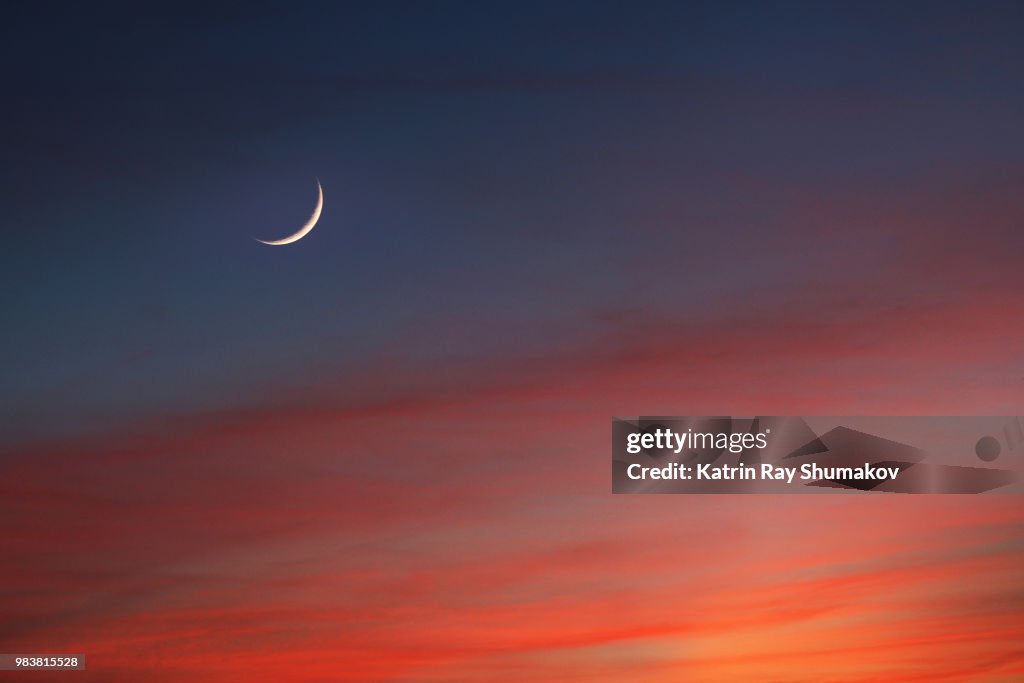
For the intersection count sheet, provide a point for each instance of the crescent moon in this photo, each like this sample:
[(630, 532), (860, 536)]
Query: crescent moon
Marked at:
[(305, 229)]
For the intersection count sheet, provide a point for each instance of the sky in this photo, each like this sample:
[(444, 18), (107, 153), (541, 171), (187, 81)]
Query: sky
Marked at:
[(381, 453)]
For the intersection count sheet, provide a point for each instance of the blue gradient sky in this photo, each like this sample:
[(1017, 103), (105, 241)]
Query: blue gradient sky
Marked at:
[(499, 180), (380, 454)]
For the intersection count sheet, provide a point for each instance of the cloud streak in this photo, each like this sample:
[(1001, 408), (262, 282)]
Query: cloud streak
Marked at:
[(465, 530)]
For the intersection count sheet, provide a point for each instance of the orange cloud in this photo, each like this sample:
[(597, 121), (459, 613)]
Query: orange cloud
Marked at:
[(465, 531)]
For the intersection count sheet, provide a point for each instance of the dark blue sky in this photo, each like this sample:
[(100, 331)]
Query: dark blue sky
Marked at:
[(502, 181)]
